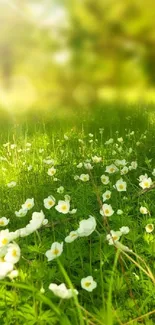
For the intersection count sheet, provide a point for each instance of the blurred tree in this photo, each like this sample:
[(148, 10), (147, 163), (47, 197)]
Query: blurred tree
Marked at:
[(69, 50)]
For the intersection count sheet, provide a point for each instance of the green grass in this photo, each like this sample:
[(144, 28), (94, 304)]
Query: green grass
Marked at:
[(125, 291)]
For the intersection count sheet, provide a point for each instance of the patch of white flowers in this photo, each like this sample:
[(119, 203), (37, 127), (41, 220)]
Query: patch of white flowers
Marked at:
[(4, 221), (145, 181), (111, 169), (106, 210), (88, 283), (11, 184), (61, 291), (55, 251), (121, 185), (105, 179), (10, 250), (106, 195), (28, 205), (51, 171), (63, 206), (84, 177), (49, 202), (149, 228)]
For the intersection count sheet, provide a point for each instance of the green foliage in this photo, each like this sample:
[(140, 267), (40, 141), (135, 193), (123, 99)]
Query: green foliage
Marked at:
[(56, 53)]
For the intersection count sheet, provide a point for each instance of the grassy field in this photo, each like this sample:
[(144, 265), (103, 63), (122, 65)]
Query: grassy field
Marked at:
[(71, 158)]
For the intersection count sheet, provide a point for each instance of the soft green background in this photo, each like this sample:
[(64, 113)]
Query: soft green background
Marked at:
[(75, 53)]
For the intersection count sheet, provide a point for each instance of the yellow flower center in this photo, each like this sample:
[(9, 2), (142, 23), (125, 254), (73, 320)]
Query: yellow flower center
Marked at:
[(4, 241), (87, 284), (29, 205), (50, 202), (64, 207), (52, 171), (114, 237), (14, 253), (121, 186), (106, 211), (1, 222), (55, 251)]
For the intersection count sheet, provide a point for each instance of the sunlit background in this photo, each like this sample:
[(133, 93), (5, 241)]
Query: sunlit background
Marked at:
[(75, 53)]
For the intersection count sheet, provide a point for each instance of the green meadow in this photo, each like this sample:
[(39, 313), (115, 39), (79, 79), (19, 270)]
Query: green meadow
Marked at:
[(77, 162), (81, 180)]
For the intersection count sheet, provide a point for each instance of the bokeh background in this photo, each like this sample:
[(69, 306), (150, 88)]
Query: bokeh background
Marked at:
[(75, 53)]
